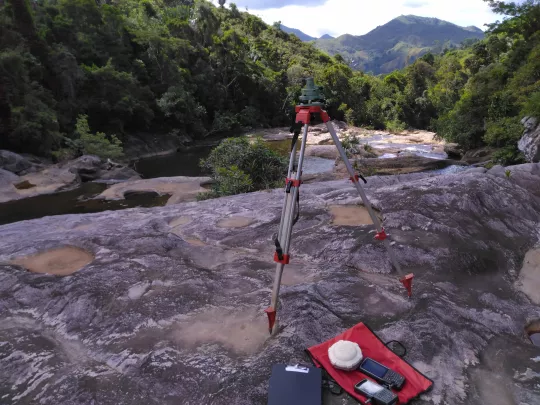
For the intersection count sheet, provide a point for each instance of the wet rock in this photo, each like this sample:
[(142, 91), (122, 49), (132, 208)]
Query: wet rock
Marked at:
[(170, 309), (14, 163), (453, 150), (529, 143)]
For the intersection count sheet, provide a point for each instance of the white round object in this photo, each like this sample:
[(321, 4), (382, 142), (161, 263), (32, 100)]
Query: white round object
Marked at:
[(345, 355)]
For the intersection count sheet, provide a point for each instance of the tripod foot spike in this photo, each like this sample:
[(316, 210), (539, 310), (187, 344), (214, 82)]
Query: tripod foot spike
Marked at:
[(407, 283), (271, 313)]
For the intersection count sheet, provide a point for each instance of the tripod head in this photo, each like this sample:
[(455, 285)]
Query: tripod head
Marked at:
[(312, 95)]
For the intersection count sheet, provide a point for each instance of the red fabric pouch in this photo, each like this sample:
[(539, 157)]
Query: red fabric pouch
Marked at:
[(416, 383)]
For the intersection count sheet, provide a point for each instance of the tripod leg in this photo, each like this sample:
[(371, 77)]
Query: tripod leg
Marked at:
[(285, 230), (367, 204)]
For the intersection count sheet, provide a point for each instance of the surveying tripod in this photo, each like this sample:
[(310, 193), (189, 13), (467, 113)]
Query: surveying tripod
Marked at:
[(310, 111)]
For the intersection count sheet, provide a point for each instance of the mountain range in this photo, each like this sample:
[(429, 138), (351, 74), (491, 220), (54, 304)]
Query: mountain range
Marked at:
[(303, 36), (395, 44)]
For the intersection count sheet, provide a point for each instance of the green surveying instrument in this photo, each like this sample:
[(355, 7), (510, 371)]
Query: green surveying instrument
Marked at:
[(310, 111)]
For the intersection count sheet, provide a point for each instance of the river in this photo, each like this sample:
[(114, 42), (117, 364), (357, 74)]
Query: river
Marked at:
[(81, 199)]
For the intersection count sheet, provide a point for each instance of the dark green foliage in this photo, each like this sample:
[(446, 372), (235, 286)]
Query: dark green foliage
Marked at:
[(238, 166), (143, 66), (192, 68)]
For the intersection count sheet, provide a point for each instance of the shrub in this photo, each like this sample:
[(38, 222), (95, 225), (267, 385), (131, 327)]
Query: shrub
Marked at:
[(503, 132), (532, 106), (238, 166), (97, 144), (508, 156), (394, 126)]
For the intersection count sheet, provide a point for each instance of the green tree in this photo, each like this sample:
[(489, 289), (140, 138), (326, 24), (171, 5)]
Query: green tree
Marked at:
[(97, 144)]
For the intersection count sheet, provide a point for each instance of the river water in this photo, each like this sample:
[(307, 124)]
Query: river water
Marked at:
[(77, 201)]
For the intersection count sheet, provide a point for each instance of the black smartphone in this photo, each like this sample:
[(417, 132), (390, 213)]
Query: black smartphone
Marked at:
[(377, 394), (381, 373)]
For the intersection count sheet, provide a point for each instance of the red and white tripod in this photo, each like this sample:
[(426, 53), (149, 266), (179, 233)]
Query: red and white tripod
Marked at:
[(305, 115)]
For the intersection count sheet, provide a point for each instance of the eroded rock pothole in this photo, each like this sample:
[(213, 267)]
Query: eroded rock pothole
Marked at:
[(243, 331), (60, 261), (351, 215), (235, 222)]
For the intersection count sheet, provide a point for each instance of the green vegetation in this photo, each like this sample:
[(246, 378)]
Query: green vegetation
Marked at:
[(239, 166), (398, 43), (72, 71), (152, 66)]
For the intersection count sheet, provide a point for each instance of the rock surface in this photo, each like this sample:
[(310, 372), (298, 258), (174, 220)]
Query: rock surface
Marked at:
[(399, 165), (529, 276), (61, 176), (453, 150), (529, 143), (181, 189), (14, 163), (170, 309)]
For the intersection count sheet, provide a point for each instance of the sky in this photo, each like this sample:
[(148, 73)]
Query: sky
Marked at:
[(358, 17)]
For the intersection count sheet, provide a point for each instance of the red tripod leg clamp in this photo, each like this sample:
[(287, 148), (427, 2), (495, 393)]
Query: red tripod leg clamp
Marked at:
[(285, 260), (381, 235), (294, 183)]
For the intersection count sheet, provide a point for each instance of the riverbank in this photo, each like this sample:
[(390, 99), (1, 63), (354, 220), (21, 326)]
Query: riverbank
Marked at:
[(178, 177)]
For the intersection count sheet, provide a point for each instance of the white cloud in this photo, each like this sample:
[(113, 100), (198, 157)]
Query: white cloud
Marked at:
[(357, 17)]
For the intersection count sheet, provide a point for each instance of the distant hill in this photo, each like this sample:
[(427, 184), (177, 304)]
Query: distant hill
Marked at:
[(399, 42), (304, 37), (298, 33)]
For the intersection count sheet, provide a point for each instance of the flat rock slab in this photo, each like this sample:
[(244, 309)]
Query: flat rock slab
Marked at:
[(171, 308), (181, 189)]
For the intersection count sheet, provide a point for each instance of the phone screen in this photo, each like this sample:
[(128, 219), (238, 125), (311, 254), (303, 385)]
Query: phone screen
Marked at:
[(371, 388), (374, 368)]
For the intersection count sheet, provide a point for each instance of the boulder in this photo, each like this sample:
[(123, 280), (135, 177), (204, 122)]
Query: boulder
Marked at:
[(87, 167), (529, 143), (453, 150), (479, 155), (165, 305), (7, 178), (119, 173), (13, 162)]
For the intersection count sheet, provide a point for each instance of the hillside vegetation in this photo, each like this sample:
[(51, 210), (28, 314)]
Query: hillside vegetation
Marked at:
[(398, 43), (156, 66), (187, 67)]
